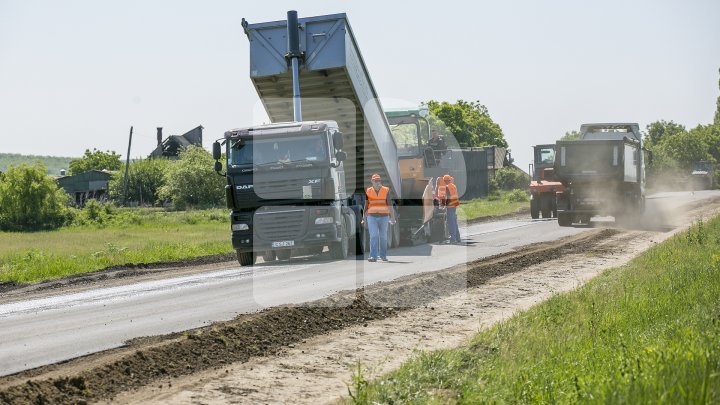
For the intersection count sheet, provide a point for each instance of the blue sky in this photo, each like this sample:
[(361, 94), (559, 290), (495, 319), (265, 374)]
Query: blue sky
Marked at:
[(77, 74)]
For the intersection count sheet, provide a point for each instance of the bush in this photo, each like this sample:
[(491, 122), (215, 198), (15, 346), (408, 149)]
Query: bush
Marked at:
[(517, 196), (191, 182), (510, 178), (31, 200), (145, 179)]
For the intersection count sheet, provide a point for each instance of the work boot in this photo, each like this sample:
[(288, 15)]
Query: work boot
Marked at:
[(372, 259)]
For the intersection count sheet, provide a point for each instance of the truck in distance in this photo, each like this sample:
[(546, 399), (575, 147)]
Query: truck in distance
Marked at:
[(603, 174), (544, 184)]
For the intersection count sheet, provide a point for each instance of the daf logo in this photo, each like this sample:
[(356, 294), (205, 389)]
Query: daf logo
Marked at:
[(314, 181), (244, 187)]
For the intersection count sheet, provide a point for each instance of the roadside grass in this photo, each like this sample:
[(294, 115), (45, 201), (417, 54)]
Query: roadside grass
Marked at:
[(504, 203), (127, 236), (647, 332)]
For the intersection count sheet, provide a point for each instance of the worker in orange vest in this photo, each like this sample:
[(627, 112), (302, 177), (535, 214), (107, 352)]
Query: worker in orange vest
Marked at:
[(377, 213), (452, 201)]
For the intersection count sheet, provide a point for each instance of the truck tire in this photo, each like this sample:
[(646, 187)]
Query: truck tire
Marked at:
[(565, 219), (545, 205), (246, 258), (284, 254), (534, 208), (339, 250)]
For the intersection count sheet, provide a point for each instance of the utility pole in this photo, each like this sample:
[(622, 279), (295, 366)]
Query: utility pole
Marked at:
[(127, 167)]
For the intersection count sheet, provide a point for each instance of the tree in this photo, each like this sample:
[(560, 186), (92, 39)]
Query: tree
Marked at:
[(191, 181), (31, 200), (145, 179), (571, 136), (469, 122), (96, 160), (658, 130)]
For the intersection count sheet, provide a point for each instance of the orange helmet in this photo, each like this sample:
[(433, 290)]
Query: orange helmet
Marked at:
[(448, 178)]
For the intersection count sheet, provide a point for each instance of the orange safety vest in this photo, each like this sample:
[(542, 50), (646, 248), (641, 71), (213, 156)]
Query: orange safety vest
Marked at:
[(441, 191), (377, 201), (453, 197)]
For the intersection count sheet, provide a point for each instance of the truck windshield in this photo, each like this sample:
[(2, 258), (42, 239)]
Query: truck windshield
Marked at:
[(295, 148), (546, 156), (406, 138)]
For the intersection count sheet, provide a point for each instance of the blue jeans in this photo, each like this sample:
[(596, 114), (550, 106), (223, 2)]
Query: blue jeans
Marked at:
[(378, 227), (452, 224)]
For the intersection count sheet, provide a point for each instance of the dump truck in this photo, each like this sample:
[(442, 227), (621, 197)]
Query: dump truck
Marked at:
[(603, 174), (544, 184), (701, 177), (298, 185)]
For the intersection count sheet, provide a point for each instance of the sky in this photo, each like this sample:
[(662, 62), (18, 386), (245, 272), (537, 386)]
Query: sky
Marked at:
[(75, 75)]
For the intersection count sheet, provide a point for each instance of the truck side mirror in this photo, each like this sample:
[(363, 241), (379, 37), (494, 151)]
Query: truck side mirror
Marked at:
[(341, 156), (217, 153), (338, 140), (218, 166)]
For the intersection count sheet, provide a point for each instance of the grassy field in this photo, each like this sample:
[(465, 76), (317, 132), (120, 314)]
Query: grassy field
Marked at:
[(503, 204), (131, 236), (648, 332)]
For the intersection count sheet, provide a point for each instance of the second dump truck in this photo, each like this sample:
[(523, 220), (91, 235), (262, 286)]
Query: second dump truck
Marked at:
[(603, 174)]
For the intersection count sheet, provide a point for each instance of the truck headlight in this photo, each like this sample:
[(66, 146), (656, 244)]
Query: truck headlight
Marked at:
[(324, 220), (240, 227)]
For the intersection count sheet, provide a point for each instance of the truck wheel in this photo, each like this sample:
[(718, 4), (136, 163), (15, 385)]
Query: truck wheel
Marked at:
[(339, 250), (269, 256), (284, 254), (534, 208), (246, 258), (545, 205), (564, 219)]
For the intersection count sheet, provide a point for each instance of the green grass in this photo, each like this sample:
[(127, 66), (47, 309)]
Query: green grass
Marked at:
[(127, 236), (504, 203), (647, 332)]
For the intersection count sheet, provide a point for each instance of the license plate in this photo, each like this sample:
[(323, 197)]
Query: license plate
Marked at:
[(283, 243)]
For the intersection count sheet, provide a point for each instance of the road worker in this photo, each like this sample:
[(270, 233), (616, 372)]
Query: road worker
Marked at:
[(377, 214), (452, 201)]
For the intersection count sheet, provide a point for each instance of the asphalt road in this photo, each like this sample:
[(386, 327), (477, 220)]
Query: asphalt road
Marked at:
[(64, 326)]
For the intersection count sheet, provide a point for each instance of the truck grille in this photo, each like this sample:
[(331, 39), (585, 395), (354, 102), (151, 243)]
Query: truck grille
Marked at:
[(280, 225)]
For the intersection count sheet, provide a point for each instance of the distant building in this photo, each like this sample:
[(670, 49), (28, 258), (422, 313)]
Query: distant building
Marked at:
[(171, 146), (86, 185)]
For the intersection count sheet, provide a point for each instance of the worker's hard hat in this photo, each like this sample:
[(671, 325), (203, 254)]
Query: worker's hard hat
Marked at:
[(375, 177), (447, 178)]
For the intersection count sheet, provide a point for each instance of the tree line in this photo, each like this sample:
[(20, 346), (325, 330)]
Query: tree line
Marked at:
[(31, 200)]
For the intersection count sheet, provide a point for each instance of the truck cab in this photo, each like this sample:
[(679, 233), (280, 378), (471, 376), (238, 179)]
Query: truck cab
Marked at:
[(286, 188), (544, 184)]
